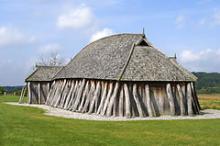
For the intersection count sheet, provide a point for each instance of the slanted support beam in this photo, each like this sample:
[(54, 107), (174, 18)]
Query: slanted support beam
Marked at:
[(181, 100), (117, 98), (21, 96), (150, 108), (112, 99), (136, 99), (170, 99), (189, 99)]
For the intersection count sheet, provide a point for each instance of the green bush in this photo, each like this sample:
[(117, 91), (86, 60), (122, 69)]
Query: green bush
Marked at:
[(2, 90)]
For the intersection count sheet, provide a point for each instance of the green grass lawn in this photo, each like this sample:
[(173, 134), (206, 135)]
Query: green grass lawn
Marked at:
[(26, 126)]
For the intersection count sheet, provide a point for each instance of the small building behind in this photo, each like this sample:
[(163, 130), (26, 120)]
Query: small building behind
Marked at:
[(39, 83)]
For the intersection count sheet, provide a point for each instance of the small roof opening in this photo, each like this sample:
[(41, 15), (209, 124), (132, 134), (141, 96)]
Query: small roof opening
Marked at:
[(143, 43)]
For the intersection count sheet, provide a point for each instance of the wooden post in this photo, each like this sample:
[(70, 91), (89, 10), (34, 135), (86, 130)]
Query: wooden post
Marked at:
[(64, 94), (189, 100), (136, 98), (107, 98), (121, 102), (150, 109), (170, 99), (59, 95), (181, 100), (48, 98), (72, 95), (21, 96), (84, 96), (39, 93), (103, 97), (112, 99), (127, 101), (69, 95), (95, 97), (88, 99), (48, 91), (29, 93), (78, 97), (194, 99)]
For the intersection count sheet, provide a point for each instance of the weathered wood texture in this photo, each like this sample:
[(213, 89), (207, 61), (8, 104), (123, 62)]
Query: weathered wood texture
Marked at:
[(128, 99), (38, 92)]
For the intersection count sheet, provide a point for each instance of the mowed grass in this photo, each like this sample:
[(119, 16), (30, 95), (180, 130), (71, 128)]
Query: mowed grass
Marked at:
[(26, 126), (209, 101)]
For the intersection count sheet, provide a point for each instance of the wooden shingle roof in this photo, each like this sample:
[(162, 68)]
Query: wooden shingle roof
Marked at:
[(125, 57), (43, 73)]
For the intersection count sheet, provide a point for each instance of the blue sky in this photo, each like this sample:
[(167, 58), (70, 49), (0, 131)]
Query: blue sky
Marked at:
[(35, 28)]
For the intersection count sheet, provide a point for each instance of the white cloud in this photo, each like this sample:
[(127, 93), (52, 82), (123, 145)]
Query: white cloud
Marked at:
[(202, 60), (79, 17), (50, 48), (180, 21), (11, 36), (189, 56), (100, 34)]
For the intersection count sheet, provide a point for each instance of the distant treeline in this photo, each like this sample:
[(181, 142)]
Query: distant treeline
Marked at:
[(16, 90), (208, 82)]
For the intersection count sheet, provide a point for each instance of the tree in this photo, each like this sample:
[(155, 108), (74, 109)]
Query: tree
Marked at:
[(54, 59), (2, 90)]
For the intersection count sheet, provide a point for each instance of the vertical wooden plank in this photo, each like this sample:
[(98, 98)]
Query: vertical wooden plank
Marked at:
[(29, 93), (89, 97), (112, 99), (79, 95), (170, 98), (103, 97), (84, 96), (127, 101), (189, 100), (111, 86), (181, 100), (95, 97), (121, 102), (150, 108), (161, 100), (68, 99), (39, 93), (136, 99)]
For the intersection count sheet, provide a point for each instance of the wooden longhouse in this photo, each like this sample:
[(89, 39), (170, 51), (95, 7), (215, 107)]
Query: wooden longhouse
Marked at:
[(124, 75)]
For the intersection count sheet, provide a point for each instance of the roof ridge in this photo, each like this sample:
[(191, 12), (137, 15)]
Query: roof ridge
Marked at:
[(63, 67), (126, 64), (113, 35), (49, 65)]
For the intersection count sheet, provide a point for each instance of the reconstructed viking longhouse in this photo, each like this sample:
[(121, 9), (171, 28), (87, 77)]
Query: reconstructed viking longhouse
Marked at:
[(39, 83), (124, 75)]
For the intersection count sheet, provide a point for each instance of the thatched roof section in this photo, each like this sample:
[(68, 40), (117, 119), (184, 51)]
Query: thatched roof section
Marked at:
[(43, 73), (125, 57)]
